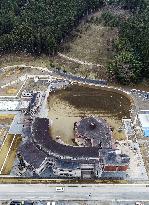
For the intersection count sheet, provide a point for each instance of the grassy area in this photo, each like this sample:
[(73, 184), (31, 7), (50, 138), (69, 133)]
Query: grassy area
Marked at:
[(57, 181), (9, 73), (7, 155), (3, 132), (116, 124), (4, 149), (11, 90), (22, 58), (119, 135), (6, 118), (91, 42)]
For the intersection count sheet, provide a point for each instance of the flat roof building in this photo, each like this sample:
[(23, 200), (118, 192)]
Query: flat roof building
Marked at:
[(144, 121)]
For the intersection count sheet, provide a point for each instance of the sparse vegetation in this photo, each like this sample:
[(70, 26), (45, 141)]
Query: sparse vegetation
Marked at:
[(119, 135), (18, 180), (6, 118), (8, 154), (3, 132), (11, 91)]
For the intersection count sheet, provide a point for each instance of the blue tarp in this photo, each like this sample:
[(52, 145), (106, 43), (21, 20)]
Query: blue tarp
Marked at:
[(146, 133)]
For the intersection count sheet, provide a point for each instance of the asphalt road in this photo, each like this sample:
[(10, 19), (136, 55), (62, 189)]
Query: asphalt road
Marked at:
[(74, 192)]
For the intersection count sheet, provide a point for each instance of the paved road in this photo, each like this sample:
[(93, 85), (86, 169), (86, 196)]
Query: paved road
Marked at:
[(74, 192)]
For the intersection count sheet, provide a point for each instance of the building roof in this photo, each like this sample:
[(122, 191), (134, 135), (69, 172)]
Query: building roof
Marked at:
[(112, 158), (144, 120), (96, 129), (128, 126), (67, 164), (146, 133), (31, 154), (41, 134)]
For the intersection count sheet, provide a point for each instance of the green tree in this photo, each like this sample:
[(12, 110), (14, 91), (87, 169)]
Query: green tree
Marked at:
[(134, 5), (126, 68), (40, 26)]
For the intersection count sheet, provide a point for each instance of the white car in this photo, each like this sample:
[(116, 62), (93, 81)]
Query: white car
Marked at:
[(139, 203), (51, 203), (60, 189)]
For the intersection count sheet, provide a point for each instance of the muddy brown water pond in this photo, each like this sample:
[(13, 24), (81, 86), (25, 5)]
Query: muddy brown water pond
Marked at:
[(69, 105)]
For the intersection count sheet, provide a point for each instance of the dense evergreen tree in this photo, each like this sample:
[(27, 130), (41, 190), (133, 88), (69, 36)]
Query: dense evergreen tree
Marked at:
[(133, 5), (132, 47), (136, 30), (40, 25), (126, 68)]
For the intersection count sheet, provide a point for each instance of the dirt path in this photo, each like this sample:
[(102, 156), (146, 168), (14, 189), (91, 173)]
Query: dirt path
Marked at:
[(79, 61)]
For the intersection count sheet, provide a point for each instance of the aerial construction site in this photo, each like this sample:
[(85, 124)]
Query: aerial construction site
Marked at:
[(54, 125)]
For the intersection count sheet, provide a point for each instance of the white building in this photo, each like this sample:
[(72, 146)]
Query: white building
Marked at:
[(143, 117)]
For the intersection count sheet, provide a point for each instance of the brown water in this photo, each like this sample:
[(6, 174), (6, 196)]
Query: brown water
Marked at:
[(68, 106)]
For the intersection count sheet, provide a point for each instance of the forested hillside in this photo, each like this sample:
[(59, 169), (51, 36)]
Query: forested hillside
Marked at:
[(131, 63), (38, 26)]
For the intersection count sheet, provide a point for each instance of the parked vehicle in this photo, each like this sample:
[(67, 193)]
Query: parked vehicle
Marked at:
[(59, 189)]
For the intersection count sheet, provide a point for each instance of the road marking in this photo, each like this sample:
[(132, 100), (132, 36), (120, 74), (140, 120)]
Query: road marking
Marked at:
[(3, 142), (7, 154)]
